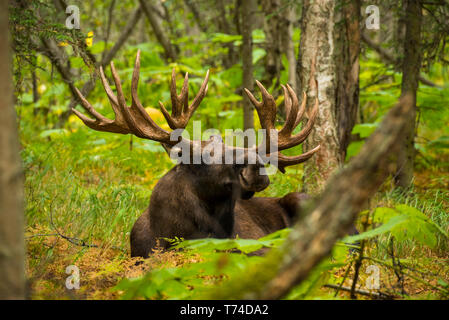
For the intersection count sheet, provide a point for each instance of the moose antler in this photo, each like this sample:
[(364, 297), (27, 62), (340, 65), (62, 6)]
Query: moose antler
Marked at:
[(135, 119), (181, 111), (266, 109)]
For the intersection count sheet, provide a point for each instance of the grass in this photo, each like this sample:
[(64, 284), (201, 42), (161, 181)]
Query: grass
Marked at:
[(91, 187)]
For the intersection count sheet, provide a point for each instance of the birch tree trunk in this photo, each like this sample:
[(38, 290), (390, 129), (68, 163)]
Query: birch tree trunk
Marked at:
[(12, 249), (331, 34)]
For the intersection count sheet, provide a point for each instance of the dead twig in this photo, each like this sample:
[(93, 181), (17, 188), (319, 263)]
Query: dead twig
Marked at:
[(76, 241), (377, 295)]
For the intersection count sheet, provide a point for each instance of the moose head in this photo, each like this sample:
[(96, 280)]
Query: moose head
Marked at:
[(196, 198)]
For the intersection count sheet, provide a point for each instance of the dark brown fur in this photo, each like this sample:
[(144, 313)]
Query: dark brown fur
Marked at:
[(258, 217), (194, 201), (254, 218)]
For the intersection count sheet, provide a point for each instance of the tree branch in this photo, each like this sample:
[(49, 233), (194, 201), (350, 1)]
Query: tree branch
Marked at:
[(162, 38), (54, 53), (387, 57)]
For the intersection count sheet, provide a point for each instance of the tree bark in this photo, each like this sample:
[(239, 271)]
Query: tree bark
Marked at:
[(331, 34), (248, 9), (411, 66), (162, 38), (390, 59), (12, 248), (56, 57), (196, 14), (274, 29), (225, 27), (278, 27), (289, 47)]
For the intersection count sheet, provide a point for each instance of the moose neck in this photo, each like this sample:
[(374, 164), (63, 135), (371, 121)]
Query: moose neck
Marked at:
[(213, 184)]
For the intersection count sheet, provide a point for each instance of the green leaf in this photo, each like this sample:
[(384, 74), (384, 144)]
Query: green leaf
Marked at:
[(440, 143), (76, 62), (386, 227), (225, 38), (353, 149), (258, 54), (98, 47), (53, 133), (365, 129)]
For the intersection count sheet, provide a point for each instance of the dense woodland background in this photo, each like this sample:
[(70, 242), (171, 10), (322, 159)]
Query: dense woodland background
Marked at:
[(384, 167)]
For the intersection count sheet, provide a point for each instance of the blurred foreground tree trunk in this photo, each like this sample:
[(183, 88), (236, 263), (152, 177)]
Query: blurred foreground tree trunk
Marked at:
[(12, 249), (331, 35), (411, 66)]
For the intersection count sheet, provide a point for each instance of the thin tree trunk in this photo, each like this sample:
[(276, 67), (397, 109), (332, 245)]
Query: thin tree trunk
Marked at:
[(12, 247), (348, 67), (274, 29), (410, 74), (248, 9), (289, 47), (225, 27), (161, 36), (196, 14), (390, 59), (331, 34), (52, 51)]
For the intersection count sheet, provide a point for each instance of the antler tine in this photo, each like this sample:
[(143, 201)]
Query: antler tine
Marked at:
[(200, 95), (132, 119), (266, 110), (112, 98), (285, 161), (88, 107), (181, 111), (179, 102), (298, 138), (136, 104), (291, 107), (301, 110), (136, 116), (100, 123)]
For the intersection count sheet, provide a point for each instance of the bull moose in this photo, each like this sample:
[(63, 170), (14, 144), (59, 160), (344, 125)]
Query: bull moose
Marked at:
[(205, 199)]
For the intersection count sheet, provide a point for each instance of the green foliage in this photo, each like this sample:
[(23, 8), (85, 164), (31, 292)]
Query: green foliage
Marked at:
[(222, 260), (403, 223), (380, 89)]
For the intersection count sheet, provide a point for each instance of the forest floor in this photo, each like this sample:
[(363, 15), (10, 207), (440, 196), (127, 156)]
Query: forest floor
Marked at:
[(81, 207)]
